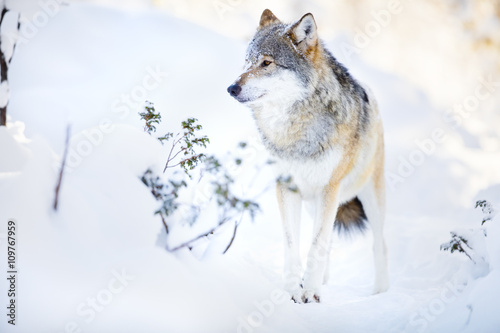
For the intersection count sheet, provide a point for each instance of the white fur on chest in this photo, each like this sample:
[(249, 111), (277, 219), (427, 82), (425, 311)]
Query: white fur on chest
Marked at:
[(275, 118), (310, 176)]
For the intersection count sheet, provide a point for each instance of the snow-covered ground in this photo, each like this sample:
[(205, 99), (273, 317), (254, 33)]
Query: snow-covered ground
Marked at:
[(98, 263)]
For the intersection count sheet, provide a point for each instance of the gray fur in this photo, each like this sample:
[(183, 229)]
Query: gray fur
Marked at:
[(333, 98), (266, 42), (326, 134)]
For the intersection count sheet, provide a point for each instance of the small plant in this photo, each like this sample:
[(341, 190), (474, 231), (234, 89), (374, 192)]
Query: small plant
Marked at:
[(458, 243), (487, 209), (165, 192), (185, 144), (150, 117), (471, 242), (183, 155)]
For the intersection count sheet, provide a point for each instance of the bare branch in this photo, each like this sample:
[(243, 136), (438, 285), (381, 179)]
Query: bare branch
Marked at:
[(164, 223), (65, 155), (177, 154), (189, 242), (3, 72), (183, 161), (174, 143), (236, 224)]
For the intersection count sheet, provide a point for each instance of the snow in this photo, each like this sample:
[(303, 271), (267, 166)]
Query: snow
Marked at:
[(99, 264)]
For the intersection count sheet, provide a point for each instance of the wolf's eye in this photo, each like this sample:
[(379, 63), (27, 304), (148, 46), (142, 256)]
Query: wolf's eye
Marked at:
[(265, 63)]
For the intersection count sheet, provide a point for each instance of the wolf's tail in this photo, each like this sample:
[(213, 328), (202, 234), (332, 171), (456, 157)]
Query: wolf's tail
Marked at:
[(350, 217)]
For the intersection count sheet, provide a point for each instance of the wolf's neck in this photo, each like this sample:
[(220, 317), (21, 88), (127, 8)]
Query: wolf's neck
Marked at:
[(304, 129), (297, 132)]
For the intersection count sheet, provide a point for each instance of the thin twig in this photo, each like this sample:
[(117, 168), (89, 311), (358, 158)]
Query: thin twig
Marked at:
[(185, 160), (177, 154), (170, 153), (186, 244), (164, 223), (59, 181), (236, 224), (465, 251)]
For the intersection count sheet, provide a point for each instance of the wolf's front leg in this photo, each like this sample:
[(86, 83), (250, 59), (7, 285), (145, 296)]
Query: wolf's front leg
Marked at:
[(326, 205), (290, 204)]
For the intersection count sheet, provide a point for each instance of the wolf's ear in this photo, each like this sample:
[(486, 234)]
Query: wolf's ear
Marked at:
[(268, 18), (304, 33)]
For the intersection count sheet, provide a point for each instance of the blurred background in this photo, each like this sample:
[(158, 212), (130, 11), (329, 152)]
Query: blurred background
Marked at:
[(444, 49), (443, 46)]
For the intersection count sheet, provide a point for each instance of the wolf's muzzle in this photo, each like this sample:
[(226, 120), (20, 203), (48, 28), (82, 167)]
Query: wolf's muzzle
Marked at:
[(234, 90)]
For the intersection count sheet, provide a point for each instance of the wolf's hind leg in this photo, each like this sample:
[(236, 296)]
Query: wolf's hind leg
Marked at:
[(373, 199), (326, 274)]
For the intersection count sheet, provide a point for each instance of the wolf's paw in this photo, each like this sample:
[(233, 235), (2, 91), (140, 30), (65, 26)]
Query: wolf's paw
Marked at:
[(310, 296), (297, 297), (380, 288), (293, 285), (295, 291)]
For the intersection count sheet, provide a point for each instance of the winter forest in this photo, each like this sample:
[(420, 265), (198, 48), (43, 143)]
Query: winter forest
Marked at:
[(136, 194)]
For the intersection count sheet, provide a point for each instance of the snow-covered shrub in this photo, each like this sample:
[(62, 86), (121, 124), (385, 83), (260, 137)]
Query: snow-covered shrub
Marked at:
[(487, 208), (472, 242), (179, 194)]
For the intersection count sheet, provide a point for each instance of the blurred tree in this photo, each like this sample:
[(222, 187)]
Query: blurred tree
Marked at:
[(7, 46)]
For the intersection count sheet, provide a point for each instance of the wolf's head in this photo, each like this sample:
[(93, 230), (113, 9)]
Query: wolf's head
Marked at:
[(280, 62)]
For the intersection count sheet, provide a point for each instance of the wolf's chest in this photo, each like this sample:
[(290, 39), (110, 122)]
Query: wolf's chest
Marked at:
[(277, 124), (290, 135), (310, 175)]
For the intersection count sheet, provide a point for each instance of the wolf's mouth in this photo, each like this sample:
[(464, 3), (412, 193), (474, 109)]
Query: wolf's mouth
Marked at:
[(248, 100)]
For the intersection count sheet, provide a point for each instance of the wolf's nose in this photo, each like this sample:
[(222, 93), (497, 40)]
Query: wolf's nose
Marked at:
[(234, 90)]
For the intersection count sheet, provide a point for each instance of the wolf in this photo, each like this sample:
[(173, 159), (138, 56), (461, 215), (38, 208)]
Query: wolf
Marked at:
[(325, 133)]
